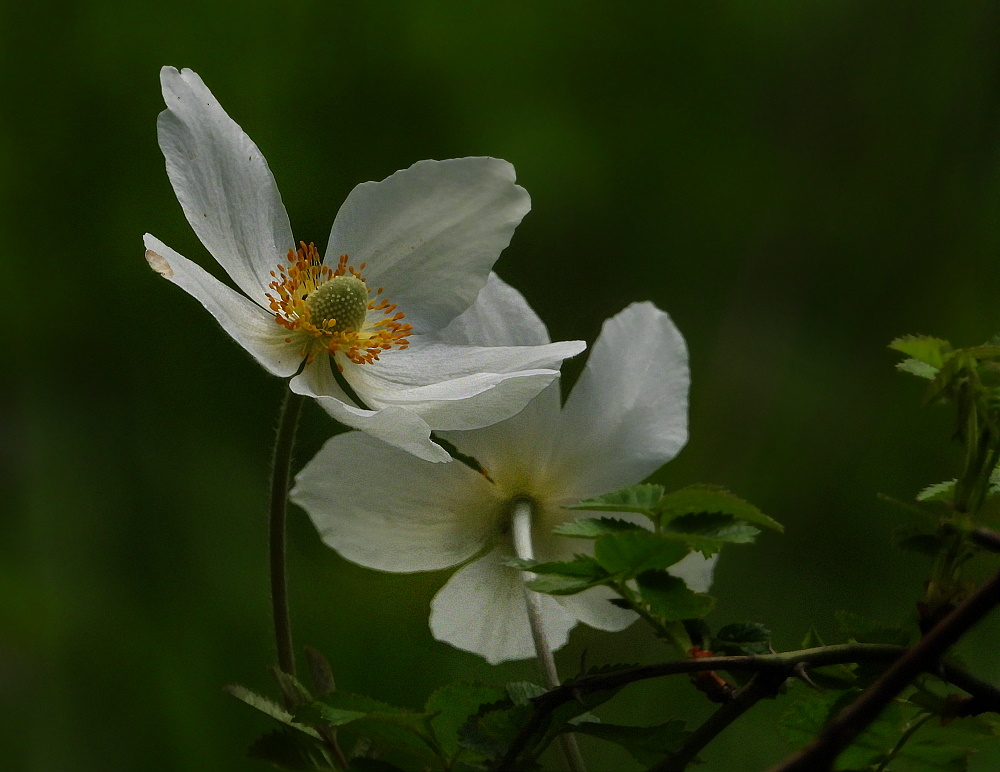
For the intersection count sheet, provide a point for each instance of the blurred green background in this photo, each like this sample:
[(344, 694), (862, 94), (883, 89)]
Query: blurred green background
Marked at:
[(796, 183)]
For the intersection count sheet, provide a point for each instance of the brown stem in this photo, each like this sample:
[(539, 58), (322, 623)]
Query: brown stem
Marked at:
[(820, 754)]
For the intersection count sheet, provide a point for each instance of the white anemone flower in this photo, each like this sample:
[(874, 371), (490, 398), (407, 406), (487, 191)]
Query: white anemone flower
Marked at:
[(405, 257), (626, 416)]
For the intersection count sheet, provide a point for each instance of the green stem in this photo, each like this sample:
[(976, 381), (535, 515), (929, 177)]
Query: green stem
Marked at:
[(521, 531), (905, 738), (288, 422)]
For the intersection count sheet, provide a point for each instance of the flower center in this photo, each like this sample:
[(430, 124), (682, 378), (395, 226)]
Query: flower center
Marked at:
[(332, 309)]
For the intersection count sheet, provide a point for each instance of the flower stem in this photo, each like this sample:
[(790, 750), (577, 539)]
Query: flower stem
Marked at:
[(288, 422), (521, 530)]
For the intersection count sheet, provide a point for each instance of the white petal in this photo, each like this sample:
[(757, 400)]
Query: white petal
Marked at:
[(431, 233), (397, 426), (696, 571), (518, 449), (627, 414), (459, 387), (248, 324), (593, 607), (499, 317), (383, 508), (222, 182), (482, 609)]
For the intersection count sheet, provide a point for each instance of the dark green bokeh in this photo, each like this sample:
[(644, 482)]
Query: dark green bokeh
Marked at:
[(796, 183)]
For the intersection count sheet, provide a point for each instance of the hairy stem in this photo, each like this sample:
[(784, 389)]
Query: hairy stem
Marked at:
[(521, 530), (288, 422)]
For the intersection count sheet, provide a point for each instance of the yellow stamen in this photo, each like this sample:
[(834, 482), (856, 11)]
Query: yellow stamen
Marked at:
[(331, 308)]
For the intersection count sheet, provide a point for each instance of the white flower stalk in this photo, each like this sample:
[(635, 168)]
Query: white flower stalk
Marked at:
[(406, 256), (626, 416)]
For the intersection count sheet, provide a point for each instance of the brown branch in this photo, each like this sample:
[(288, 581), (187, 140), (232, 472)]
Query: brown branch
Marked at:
[(820, 754)]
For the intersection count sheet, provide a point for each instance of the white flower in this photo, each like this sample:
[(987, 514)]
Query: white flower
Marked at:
[(626, 416), (418, 246)]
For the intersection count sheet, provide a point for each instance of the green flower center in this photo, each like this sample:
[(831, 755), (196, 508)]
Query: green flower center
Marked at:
[(339, 304)]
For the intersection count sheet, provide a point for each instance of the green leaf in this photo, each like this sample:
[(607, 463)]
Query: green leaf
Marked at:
[(291, 689), (670, 598), (631, 552), (398, 727), (494, 727), (639, 498), (453, 705), (810, 713), (562, 578), (917, 368), (561, 585), (923, 348), (714, 525), (582, 566), (269, 708), (592, 527), (943, 491), (647, 744), (743, 638), (289, 750), (695, 499)]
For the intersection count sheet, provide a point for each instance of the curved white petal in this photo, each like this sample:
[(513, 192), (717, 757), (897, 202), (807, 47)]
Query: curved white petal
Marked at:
[(431, 233), (593, 607), (397, 426), (516, 450), (482, 609), (383, 508), (247, 323), (696, 570), (627, 414), (459, 387), (222, 182), (499, 317)]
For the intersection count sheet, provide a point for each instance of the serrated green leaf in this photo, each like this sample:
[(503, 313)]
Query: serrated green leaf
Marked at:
[(582, 566), (399, 727), (494, 727), (695, 499), (931, 351), (555, 584), (647, 744), (290, 750), (294, 692), (641, 499), (942, 491), (453, 705), (592, 527), (269, 708), (631, 552), (917, 368), (670, 598), (714, 525), (810, 713), (743, 638), (523, 692), (318, 712)]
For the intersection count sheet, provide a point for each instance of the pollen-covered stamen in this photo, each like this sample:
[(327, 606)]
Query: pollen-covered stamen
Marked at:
[(333, 309)]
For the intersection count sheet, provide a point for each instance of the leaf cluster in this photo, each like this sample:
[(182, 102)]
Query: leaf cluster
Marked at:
[(634, 555)]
